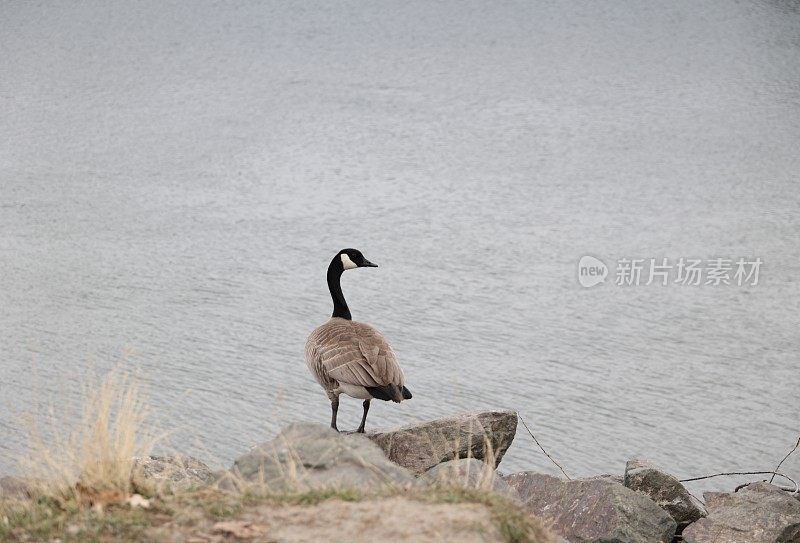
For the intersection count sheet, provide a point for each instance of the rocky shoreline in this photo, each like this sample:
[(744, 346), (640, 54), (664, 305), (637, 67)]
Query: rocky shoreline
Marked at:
[(642, 505)]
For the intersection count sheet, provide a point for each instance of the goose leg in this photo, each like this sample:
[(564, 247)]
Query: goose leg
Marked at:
[(334, 411), (364, 418)]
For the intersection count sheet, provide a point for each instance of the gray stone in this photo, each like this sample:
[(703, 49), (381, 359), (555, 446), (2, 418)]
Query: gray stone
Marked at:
[(227, 480), (664, 489), (759, 513), (169, 473), (619, 479), (484, 435), (471, 473), (306, 456), (593, 510)]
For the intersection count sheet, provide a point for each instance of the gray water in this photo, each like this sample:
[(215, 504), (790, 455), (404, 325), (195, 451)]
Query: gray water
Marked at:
[(175, 177)]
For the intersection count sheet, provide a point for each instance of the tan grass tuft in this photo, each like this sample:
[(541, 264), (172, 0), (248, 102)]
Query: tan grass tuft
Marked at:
[(92, 454)]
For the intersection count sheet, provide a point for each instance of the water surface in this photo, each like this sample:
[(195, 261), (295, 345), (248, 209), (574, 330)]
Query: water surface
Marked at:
[(174, 178)]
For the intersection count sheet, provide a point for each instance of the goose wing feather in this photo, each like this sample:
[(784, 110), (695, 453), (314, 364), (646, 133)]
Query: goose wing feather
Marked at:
[(355, 353)]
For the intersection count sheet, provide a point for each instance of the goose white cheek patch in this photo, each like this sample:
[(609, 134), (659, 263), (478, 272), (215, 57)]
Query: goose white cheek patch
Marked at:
[(347, 263)]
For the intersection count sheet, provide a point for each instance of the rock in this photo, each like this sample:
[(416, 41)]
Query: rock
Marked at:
[(16, 488), (169, 473), (665, 490), (759, 513), (306, 456), (137, 500), (599, 509), (484, 435), (619, 479), (226, 480), (471, 473)]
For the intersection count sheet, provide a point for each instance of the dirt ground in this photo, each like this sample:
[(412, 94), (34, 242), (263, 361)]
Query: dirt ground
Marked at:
[(395, 519)]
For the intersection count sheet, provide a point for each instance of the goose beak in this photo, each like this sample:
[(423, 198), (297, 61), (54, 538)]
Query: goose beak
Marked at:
[(368, 264)]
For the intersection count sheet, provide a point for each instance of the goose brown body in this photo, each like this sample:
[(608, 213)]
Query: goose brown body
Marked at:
[(347, 356)]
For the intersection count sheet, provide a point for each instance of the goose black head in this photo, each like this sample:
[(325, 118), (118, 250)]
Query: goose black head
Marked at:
[(352, 258)]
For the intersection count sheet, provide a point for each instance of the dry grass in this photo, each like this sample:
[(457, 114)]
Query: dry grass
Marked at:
[(94, 453), (74, 462)]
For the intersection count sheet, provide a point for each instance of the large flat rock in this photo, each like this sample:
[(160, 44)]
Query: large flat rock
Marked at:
[(593, 510), (306, 456), (759, 513), (485, 435)]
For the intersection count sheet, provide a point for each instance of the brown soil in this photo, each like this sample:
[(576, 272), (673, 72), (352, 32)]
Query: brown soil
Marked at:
[(395, 519)]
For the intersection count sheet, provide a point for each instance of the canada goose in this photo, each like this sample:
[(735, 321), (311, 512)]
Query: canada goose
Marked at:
[(352, 357)]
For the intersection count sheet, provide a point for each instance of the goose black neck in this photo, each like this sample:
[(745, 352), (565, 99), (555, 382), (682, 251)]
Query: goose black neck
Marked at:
[(340, 308)]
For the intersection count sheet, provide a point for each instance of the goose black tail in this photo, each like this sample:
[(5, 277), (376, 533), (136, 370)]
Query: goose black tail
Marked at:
[(390, 393)]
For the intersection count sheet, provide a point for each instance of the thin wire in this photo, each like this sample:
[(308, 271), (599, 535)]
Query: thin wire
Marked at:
[(796, 487), (785, 457), (782, 487), (544, 451)]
